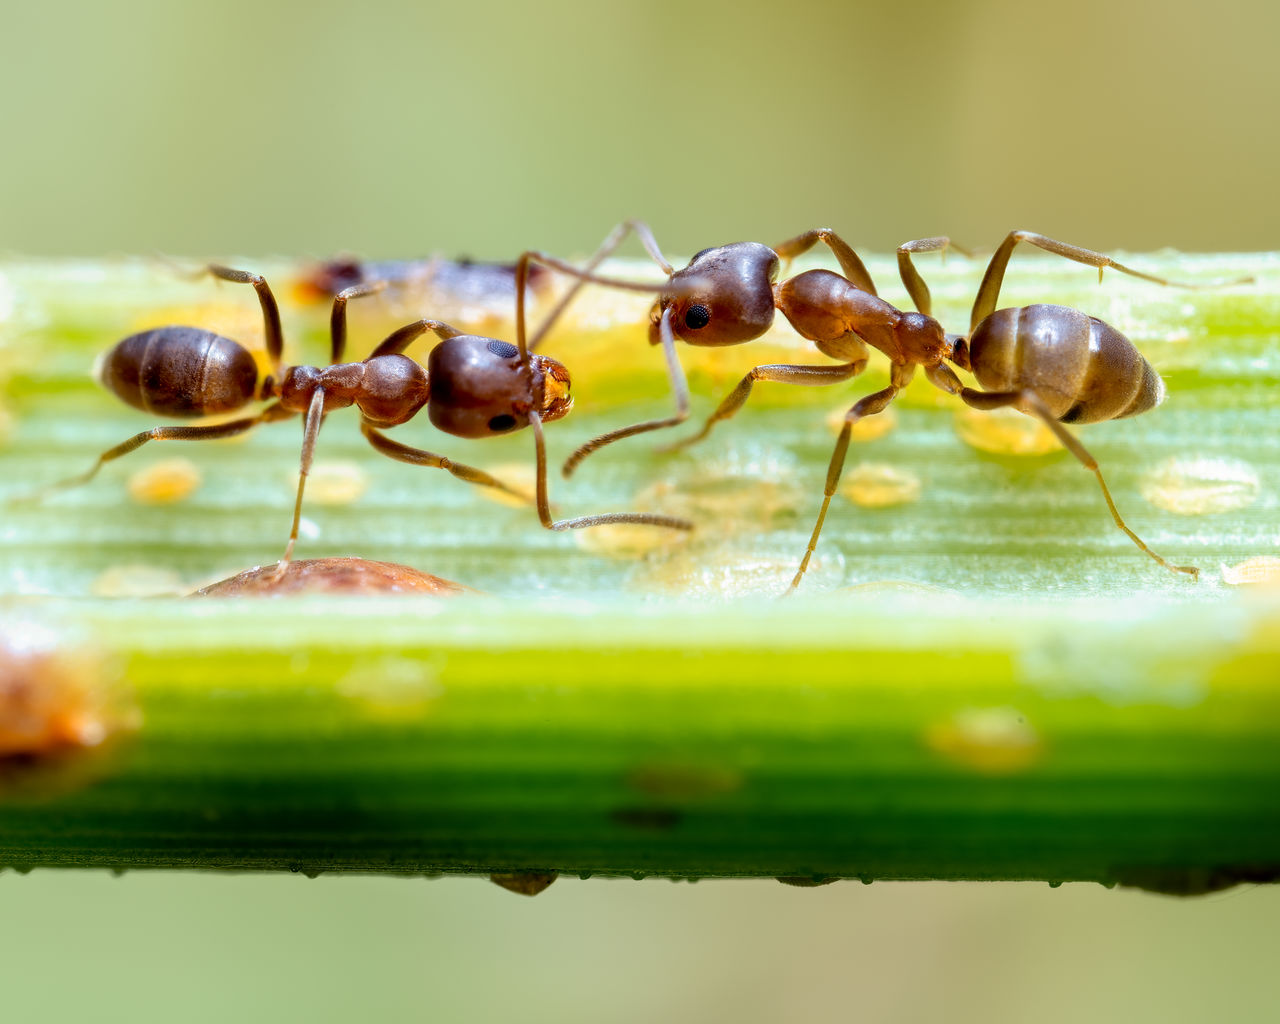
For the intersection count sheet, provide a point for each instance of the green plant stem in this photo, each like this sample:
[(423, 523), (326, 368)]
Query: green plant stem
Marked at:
[(1030, 698), (481, 736)]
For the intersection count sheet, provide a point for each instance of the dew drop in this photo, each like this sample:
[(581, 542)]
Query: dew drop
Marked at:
[(524, 883)]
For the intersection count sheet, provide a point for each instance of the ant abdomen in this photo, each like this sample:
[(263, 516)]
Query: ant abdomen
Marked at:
[(180, 371), (1083, 369)]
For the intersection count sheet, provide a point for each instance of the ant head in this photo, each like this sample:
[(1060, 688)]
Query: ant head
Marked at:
[(723, 297), (480, 387)]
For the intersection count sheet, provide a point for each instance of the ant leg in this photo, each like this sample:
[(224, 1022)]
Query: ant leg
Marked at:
[(522, 277), (310, 431), (270, 311), (398, 340), (614, 239), (781, 373), (679, 387), (916, 288), (988, 292), (419, 457), (850, 263), (868, 406), (544, 504), (1029, 401), (206, 433), (338, 318)]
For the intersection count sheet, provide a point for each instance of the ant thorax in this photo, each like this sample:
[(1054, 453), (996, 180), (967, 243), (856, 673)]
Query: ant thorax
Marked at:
[(389, 389)]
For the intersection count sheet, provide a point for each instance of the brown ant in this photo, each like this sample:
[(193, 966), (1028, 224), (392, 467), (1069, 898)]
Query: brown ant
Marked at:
[(1052, 362), (725, 296), (471, 387)]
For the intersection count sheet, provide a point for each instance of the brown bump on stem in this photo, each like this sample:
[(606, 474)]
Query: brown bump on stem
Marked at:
[(526, 883), (58, 696), (342, 575)]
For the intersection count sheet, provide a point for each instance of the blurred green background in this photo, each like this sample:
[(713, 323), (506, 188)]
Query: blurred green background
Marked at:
[(482, 128), (397, 129)]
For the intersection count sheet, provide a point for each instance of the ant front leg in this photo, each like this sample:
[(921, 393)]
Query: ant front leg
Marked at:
[(1029, 401), (610, 244), (420, 457), (679, 388), (207, 433), (522, 277), (544, 503), (899, 377), (851, 264)]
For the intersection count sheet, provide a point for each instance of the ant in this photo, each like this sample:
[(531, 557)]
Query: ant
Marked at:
[(471, 387), (725, 296), (1052, 362)]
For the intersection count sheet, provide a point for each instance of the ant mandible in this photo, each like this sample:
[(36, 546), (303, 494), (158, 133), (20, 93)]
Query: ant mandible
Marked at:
[(471, 387), (1052, 362)]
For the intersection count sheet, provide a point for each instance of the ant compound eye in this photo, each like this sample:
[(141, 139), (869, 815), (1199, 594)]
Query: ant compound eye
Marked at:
[(697, 317), (504, 422), (503, 350)]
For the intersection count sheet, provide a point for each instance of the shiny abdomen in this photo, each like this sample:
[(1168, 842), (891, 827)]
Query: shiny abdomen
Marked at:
[(1084, 370), (180, 371)]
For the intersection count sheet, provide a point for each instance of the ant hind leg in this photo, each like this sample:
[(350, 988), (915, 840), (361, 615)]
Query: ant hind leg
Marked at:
[(1030, 401)]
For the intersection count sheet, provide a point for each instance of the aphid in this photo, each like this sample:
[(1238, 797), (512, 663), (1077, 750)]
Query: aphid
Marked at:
[(471, 387), (1052, 362)]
